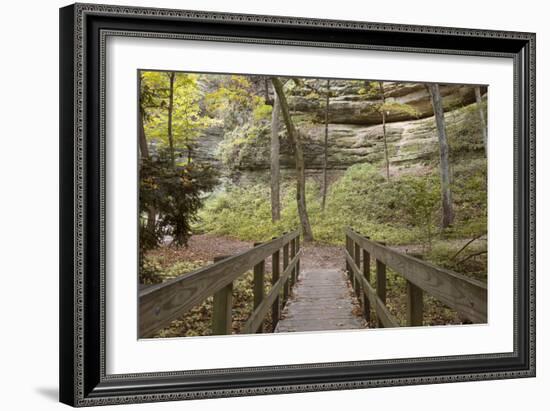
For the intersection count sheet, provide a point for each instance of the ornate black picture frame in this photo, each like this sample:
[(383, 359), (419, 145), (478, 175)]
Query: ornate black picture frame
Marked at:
[(83, 379)]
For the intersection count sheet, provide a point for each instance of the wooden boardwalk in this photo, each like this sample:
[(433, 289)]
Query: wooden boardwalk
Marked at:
[(321, 300)]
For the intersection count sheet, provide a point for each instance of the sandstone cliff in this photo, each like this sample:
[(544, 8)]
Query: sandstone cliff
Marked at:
[(355, 129)]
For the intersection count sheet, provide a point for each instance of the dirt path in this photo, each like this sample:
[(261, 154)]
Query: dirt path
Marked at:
[(204, 247), (320, 264), (322, 256), (201, 247)]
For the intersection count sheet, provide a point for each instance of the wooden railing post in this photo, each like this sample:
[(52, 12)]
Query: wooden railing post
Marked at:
[(381, 284), (351, 252), (259, 274), (415, 305), (366, 274), (297, 262), (465, 295), (292, 255), (222, 307), (348, 267), (286, 288), (357, 259), (275, 274), (159, 304)]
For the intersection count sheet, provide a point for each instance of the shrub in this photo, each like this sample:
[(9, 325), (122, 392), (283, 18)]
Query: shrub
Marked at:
[(404, 210), (171, 197)]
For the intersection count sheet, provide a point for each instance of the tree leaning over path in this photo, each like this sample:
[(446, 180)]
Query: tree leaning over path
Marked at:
[(481, 117), (172, 78), (275, 167), (385, 108), (447, 217), (325, 156), (295, 140), (144, 150), (383, 114)]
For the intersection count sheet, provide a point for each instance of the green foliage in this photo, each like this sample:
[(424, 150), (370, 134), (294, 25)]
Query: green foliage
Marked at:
[(464, 133), (368, 89), (402, 211), (469, 187), (399, 211), (234, 101), (248, 143), (175, 194), (188, 121), (419, 199), (152, 271), (243, 212), (471, 261), (262, 111), (198, 321), (245, 117), (395, 107)]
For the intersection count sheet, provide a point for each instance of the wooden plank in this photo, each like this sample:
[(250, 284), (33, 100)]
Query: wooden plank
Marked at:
[(258, 287), (386, 319), (351, 272), (366, 276), (381, 284), (275, 274), (357, 258), (257, 317), (298, 263), (161, 303), (348, 268), (311, 309), (292, 254), (415, 305), (286, 289), (465, 295), (222, 307)]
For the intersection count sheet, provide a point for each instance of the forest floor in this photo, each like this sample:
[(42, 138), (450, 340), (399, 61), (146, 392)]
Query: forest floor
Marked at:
[(203, 248), (201, 251)]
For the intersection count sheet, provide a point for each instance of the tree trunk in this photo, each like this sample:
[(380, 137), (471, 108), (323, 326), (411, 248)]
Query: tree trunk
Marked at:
[(151, 219), (172, 76), (144, 149), (482, 117), (295, 140), (384, 130), (268, 100), (275, 172), (325, 160), (446, 198)]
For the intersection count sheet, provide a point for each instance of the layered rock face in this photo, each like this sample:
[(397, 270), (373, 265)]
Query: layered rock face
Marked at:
[(349, 106), (355, 125)]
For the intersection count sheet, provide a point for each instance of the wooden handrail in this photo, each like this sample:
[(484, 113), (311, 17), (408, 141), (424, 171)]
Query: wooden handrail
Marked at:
[(162, 303), (384, 315), (256, 318), (465, 295)]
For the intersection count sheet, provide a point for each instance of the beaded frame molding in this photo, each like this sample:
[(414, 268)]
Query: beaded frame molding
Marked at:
[(83, 31)]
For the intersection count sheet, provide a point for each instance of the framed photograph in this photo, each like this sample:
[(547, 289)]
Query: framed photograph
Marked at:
[(261, 204)]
